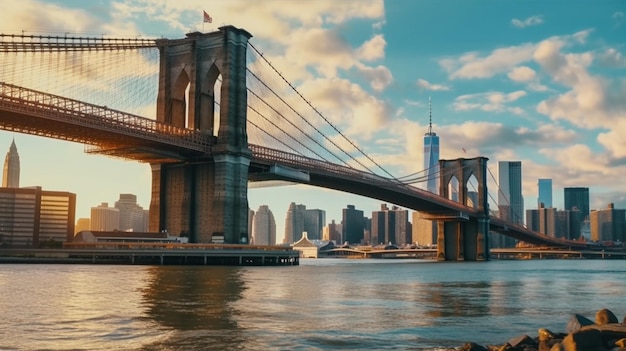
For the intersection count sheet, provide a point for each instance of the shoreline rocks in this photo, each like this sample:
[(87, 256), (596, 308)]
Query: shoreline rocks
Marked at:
[(606, 333)]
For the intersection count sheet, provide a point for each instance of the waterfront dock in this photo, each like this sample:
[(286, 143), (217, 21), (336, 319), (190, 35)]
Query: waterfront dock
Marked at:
[(136, 253)]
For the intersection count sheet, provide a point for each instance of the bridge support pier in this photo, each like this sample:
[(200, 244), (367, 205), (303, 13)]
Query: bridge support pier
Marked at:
[(204, 197), (464, 239)]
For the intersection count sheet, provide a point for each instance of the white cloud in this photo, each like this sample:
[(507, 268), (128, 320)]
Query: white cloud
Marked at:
[(591, 101), (379, 77), (614, 140), (612, 58), (522, 74), (425, 85), (470, 65), (579, 160), (494, 101), (530, 21), (348, 106), (372, 49)]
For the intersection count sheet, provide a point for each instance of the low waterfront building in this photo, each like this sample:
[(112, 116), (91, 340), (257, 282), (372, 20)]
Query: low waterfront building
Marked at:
[(310, 248), (88, 236)]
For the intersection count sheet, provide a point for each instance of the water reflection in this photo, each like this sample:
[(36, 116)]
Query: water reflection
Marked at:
[(471, 299), (193, 305)]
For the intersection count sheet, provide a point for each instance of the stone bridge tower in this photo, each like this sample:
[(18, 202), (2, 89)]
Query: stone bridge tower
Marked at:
[(464, 239), (206, 198)]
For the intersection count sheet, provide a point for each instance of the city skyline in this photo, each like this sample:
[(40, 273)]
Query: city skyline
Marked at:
[(540, 84)]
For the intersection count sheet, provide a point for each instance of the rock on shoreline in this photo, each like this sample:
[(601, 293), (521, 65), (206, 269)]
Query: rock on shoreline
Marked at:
[(581, 334)]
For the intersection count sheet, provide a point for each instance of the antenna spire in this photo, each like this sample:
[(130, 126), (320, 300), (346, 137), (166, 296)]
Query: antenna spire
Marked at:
[(430, 117)]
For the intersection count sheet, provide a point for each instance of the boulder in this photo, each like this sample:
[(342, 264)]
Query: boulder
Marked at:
[(576, 322), (522, 340), (470, 346), (584, 340), (605, 316), (609, 332)]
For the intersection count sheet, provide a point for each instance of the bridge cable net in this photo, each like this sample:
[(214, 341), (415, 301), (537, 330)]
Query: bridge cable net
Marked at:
[(275, 101), (121, 74)]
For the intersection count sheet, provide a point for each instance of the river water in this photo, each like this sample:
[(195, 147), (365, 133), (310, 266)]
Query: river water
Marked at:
[(323, 304)]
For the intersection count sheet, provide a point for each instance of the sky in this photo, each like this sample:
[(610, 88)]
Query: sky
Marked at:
[(542, 82)]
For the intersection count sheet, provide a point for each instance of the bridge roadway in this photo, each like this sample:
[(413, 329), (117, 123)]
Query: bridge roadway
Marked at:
[(498, 253), (119, 134)]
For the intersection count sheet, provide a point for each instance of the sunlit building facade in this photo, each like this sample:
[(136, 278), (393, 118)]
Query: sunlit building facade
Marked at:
[(390, 225), (264, 227), (332, 232), (104, 218), (32, 217), (131, 214), (608, 224)]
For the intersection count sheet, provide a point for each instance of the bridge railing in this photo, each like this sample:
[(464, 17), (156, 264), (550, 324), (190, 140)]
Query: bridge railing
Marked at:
[(314, 165), (18, 99), (37, 43)]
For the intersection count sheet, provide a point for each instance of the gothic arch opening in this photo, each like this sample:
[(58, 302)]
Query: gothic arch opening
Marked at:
[(208, 119), (472, 192), (453, 189), (180, 101)]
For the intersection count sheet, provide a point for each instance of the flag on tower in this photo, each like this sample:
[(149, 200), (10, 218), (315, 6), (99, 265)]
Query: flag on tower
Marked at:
[(207, 18)]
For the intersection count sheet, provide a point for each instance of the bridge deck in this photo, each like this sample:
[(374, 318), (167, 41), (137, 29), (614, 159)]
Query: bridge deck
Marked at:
[(108, 131)]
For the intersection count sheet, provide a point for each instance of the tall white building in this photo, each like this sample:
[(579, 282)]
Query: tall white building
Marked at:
[(294, 223), (431, 155), (104, 218), (11, 170), (130, 213), (426, 230), (264, 227)]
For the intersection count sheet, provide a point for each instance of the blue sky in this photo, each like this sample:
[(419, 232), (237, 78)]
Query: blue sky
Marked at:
[(543, 82)]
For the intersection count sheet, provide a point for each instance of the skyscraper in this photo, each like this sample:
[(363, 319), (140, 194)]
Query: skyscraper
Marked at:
[(294, 223), (11, 170), (314, 222), (608, 224), (544, 187), (264, 227), (332, 232), (577, 198), (510, 199), (431, 155), (353, 225), (390, 226)]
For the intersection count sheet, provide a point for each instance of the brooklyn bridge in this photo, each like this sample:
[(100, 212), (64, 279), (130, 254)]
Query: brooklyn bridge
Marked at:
[(225, 116)]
